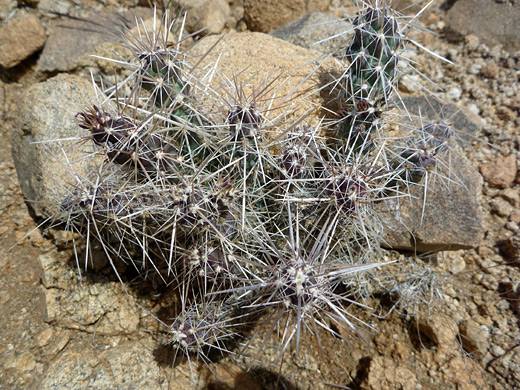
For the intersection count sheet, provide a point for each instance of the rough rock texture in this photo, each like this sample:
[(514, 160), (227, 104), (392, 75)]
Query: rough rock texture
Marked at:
[(46, 112), (473, 338), (431, 109), (383, 373), (494, 22), (451, 218), (314, 27), (501, 172), (23, 36), (6, 7), (210, 15), (72, 42), (130, 365), (256, 56), (101, 307), (54, 8), (267, 15)]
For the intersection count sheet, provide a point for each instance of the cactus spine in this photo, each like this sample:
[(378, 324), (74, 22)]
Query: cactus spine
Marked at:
[(237, 224)]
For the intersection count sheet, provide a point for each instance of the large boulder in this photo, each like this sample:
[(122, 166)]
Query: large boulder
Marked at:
[(48, 150), (257, 58), (494, 22), (446, 213)]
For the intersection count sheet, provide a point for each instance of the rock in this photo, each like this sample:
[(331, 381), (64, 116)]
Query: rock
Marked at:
[(254, 56), (431, 109), (441, 332), (473, 337), (267, 15), (452, 218), (131, 365), (494, 22), (72, 42), (463, 373), (23, 36), (489, 70), (54, 8), (46, 113), (232, 377), (6, 8), (96, 306), (511, 195), (410, 83), (454, 93), (383, 374), (314, 27), (511, 248), (500, 173), (23, 362), (210, 15), (44, 337), (501, 207)]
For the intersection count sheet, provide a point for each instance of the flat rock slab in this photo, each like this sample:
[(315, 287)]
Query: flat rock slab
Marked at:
[(72, 42), (494, 22), (451, 217), (432, 109)]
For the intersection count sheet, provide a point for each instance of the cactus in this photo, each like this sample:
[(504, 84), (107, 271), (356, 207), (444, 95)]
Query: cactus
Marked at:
[(206, 200), (370, 79)]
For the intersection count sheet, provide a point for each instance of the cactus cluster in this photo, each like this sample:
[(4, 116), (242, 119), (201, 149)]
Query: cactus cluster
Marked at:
[(245, 216)]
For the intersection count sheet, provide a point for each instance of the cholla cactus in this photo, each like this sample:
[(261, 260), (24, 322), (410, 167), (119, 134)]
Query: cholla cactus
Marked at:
[(370, 78), (229, 203)]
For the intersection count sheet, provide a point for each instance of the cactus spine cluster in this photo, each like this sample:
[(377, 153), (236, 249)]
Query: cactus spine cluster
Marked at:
[(243, 216)]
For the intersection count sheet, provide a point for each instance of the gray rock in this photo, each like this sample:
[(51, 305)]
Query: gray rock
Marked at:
[(23, 36), (46, 113), (432, 109), (452, 217), (71, 42), (54, 8), (313, 28), (267, 15), (493, 22)]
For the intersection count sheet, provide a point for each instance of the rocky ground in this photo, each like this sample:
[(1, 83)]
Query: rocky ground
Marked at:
[(58, 331)]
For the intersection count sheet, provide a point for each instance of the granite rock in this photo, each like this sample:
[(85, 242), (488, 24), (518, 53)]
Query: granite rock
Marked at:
[(314, 27), (267, 15), (47, 167), (494, 22), (451, 217), (21, 37), (210, 16)]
